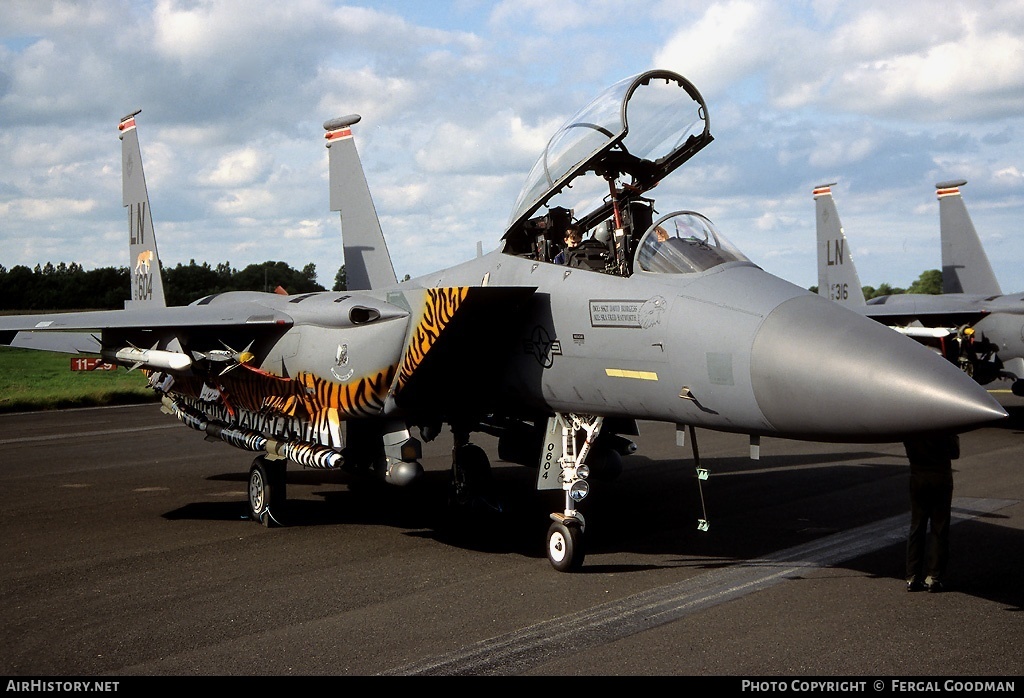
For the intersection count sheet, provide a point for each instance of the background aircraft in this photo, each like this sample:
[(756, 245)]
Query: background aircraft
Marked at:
[(557, 361), (971, 322), (965, 266)]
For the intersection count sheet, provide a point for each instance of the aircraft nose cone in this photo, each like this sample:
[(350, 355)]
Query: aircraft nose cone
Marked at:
[(869, 383)]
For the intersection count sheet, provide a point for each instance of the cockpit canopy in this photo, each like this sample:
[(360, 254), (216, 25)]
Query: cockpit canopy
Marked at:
[(684, 242), (643, 127), (596, 168)]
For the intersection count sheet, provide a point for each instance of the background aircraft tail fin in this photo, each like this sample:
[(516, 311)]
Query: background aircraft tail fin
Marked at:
[(837, 276), (143, 261), (367, 261), (965, 266)]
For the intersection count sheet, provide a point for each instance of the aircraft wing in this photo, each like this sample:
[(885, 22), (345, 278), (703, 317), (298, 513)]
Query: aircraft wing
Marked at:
[(952, 309), (172, 318), (59, 342)]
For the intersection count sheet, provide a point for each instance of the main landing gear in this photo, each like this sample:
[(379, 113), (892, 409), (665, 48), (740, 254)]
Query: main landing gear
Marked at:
[(267, 490), (471, 484), (565, 535)]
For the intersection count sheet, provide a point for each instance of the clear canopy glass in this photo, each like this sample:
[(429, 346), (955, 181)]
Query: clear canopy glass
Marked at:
[(642, 127), (684, 242)]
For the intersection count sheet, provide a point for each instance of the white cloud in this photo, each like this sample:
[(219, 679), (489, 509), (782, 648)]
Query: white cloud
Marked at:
[(244, 203), (884, 98), (237, 168), (304, 230), (724, 45), (484, 146), (46, 209)]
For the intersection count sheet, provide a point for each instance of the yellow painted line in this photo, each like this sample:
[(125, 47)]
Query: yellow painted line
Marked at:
[(624, 373)]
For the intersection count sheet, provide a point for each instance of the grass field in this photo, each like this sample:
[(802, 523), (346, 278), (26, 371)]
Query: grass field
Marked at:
[(41, 380)]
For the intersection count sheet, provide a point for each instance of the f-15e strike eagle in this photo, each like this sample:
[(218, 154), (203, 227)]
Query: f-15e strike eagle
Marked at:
[(655, 316)]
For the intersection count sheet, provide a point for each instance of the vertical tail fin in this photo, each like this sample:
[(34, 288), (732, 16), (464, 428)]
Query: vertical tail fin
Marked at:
[(837, 277), (144, 262), (367, 261), (965, 266)]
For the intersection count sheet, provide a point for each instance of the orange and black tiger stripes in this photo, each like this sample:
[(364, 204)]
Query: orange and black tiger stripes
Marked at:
[(306, 396), (362, 398), (259, 391), (439, 307)]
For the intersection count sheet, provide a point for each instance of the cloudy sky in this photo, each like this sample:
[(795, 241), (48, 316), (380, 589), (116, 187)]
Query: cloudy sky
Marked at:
[(457, 100)]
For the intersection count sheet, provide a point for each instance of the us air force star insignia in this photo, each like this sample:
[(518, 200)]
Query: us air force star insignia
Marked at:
[(543, 347)]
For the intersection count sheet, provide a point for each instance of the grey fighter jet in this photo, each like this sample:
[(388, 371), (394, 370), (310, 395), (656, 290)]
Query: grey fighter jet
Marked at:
[(654, 316), (972, 323)]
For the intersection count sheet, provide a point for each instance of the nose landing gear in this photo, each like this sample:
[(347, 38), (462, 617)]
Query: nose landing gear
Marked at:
[(565, 535)]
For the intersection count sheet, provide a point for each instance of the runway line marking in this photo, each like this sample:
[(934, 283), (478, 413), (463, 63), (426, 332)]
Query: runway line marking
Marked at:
[(510, 653), (102, 432)]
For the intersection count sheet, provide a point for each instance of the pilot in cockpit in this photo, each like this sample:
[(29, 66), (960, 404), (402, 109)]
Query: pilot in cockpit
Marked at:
[(695, 247), (651, 247), (573, 236)]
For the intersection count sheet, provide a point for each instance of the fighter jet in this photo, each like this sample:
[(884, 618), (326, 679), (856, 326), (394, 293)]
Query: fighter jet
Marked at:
[(655, 316), (971, 323)]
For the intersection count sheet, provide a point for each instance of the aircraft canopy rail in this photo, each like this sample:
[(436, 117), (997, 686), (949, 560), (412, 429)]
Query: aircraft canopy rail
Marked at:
[(642, 127), (684, 242)]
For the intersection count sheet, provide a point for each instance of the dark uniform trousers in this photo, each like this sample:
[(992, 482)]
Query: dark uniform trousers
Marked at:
[(931, 497)]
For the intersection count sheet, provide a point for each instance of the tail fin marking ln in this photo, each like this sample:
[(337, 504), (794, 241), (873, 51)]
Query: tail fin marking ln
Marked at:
[(965, 266), (144, 262), (837, 276), (367, 261)]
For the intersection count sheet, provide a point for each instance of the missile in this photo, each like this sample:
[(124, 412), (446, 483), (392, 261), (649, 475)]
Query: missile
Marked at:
[(933, 332), (150, 358)]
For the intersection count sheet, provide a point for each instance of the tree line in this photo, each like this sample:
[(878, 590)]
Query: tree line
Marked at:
[(70, 287), (929, 282)]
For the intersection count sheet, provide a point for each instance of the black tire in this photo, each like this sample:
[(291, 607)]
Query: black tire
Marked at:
[(471, 476), (565, 547), (267, 491)]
